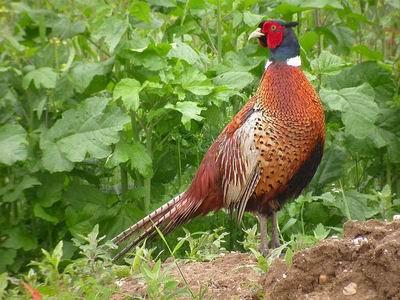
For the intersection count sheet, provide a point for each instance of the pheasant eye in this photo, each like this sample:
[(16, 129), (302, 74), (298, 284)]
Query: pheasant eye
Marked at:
[(273, 27)]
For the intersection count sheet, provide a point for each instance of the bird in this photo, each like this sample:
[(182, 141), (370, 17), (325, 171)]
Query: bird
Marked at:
[(266, 155)]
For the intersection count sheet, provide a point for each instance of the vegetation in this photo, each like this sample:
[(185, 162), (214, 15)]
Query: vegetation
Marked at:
[(107, 108)]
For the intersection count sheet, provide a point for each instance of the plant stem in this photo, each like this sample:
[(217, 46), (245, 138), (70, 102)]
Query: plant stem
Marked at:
[(346, 204), (147, 181), (219, 31), (124, 178), (179, 162)]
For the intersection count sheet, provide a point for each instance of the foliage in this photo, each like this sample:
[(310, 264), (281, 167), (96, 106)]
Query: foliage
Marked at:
[(107, 108), (91, 276), (203, 246)]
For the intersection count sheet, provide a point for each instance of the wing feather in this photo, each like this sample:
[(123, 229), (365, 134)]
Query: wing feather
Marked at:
[(240, 165)]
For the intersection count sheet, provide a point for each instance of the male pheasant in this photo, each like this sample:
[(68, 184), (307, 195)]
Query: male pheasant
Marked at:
[(266, 155)]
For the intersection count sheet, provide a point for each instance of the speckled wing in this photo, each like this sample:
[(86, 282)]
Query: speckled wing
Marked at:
[(239, 161)]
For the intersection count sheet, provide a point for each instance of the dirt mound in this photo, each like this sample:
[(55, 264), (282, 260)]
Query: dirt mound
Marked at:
[(229, 276), (365, 264)]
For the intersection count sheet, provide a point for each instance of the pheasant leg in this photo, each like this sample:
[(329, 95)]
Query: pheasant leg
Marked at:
[(275, 243), (262, 221)]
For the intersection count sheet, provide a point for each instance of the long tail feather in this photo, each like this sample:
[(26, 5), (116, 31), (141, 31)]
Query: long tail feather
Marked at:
[(169, 216)]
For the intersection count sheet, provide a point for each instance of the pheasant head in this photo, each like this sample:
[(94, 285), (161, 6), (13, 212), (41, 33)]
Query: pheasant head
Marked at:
[(278, 36)]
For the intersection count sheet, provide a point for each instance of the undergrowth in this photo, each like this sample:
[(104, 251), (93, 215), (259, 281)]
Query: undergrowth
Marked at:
[(93, 275)]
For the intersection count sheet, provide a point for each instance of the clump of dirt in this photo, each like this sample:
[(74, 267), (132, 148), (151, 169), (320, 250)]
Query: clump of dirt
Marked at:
[(365, 264)]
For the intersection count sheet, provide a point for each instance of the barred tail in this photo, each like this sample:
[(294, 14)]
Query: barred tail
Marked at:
[(166, 218)]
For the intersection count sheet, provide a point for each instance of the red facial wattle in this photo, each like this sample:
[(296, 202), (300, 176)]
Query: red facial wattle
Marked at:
[(274, 33)]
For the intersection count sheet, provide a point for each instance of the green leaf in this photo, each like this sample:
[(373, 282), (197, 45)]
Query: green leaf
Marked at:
[(357, 105), (251, 19), (196, 82), (331, 167), (185, 52), (320, 232), (7, 257), (14, 192), (111, 30), (322, 4), (66, 29), (3, 284), (136, 153), (352, 204), (370, 72), (19, 238), (141, 160), (43, 77), (50, 192), (367, 52), (128, 90), (82, 74), (141, 11), (234, 80), (39, 212), (13, 144), (308, 40), (189, 110), (87, 130), (327, 63), (86, 207)]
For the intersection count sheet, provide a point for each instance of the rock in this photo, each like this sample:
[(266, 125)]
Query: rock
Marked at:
[(350, 289), (323, 279)]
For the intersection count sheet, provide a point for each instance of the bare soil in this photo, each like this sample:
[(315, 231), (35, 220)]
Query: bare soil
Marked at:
[(365, 264)]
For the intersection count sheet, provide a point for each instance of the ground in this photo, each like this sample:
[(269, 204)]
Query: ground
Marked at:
[(364, 264)]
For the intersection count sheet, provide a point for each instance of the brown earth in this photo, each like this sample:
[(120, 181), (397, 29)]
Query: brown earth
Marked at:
[(365, 264)]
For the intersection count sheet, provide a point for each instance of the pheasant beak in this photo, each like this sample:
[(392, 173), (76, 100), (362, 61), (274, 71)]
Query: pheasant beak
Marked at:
[(256, 34)]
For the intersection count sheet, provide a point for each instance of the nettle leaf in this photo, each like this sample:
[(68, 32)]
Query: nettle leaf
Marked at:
[(357, 105), (352, 204), (141, 10), (7, 257), (13, 144), (89, 129), (308, 40), (196, 82), (43, 77), (251, 20), (18, 237), (189, 110), (87, 206), (128, 90), (15, 191), (39, 212), (327, 63), (141, 160), (136, 154), (185, 52), (331, 167), (234, 80), (83, 73), (111, 30), (66, 29), (372, 73)]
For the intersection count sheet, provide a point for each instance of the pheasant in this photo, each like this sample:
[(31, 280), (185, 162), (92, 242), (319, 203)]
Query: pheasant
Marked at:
[(266, 155)]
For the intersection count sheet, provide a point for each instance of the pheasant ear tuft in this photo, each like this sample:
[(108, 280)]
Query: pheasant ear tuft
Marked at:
[(291, 24)]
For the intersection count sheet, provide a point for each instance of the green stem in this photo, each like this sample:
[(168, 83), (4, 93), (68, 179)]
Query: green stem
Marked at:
[(124, 178), (185, 12), (301, 219), (179, 162), (346, 204), (219, 31), (147, 181)]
